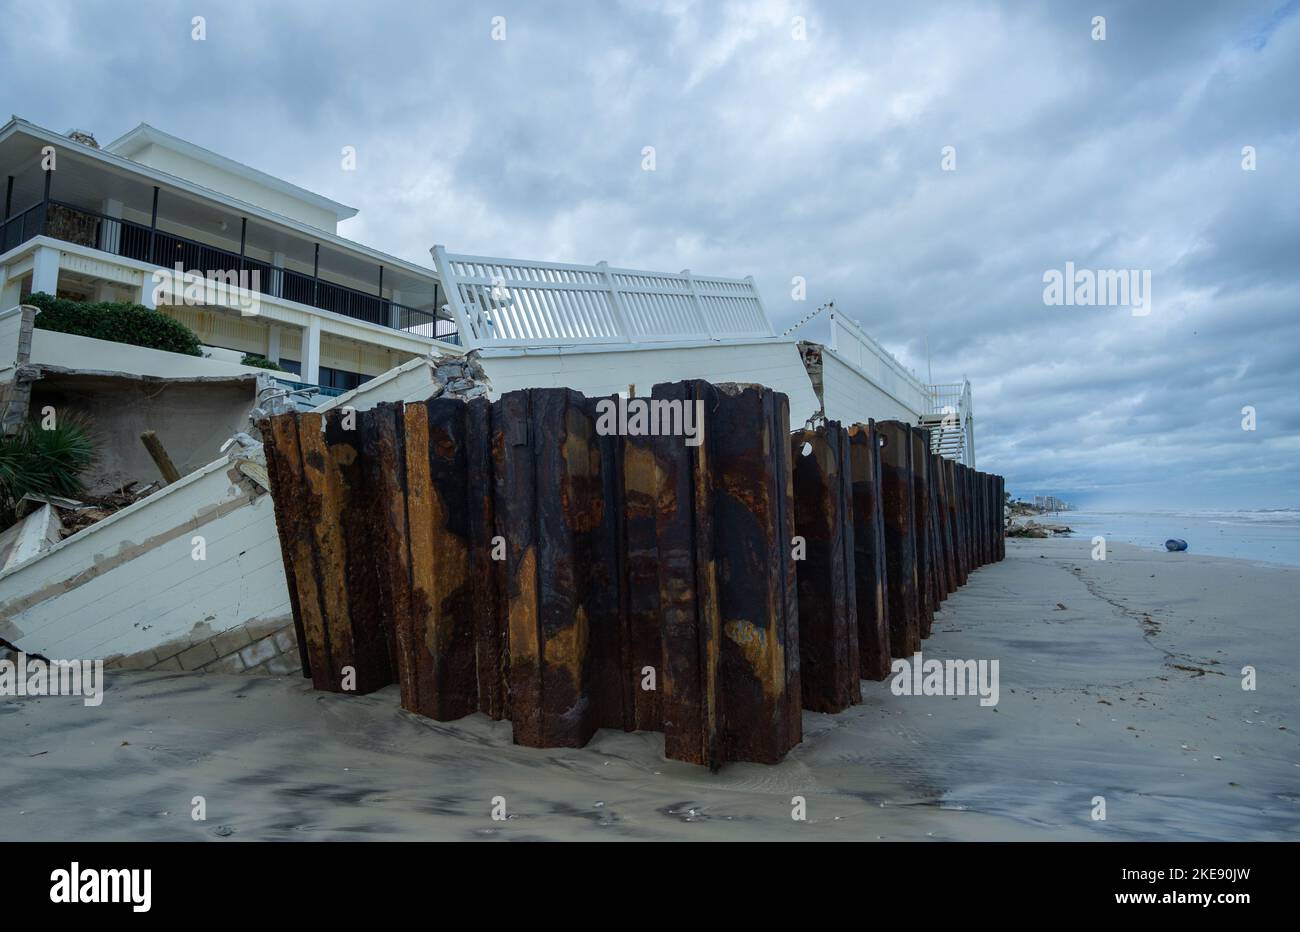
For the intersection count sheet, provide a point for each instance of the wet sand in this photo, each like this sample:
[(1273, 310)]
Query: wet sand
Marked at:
[(1131, 691)]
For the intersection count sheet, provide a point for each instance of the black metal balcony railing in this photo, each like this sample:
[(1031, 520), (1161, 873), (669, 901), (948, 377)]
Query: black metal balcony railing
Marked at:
[(136, 241)]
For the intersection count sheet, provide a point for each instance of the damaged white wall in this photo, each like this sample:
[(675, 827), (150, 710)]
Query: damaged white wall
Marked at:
[(131, 581), (607, 371)]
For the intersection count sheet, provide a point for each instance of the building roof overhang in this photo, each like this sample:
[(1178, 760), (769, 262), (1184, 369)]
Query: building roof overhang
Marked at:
[(144, 135)]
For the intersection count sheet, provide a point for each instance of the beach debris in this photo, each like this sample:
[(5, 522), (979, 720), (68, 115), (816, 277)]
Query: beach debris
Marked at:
[(1174, 545)]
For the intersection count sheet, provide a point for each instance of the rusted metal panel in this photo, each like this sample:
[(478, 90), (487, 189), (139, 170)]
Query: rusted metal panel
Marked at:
[(552, 501), (689, 620), (982, 504), (869, 552), (925, 602), (641, 572), (595, 511), (383, 446), (900, 537), (728, 603), (939, 508), (487, 564), (967, 518), (323, 501), (1002, 533), (440, 648), (954, 525), (948, 582), (830, 661), (278, 472)]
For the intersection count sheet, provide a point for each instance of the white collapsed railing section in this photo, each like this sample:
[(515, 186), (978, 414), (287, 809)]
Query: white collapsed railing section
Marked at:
[(513, 302)]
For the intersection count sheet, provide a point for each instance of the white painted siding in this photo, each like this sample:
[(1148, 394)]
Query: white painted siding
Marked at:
[(851, 398), (773, 363), (162, 593), (853, 347)]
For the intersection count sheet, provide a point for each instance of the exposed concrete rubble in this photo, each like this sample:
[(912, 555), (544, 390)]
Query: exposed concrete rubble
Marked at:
[(459, 376), (811, 354), (16, 379)]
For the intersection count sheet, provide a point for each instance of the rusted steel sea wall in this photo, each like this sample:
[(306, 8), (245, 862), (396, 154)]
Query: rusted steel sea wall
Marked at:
[(519, 559)]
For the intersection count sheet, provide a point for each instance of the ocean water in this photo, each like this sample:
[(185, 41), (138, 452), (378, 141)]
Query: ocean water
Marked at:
[(1267, 536)]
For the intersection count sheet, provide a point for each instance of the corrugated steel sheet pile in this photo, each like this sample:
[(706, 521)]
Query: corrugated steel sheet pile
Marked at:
[(516, 559)]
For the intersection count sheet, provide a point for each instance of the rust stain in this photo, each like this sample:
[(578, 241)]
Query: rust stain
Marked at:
[(567, 648), (523, 609)]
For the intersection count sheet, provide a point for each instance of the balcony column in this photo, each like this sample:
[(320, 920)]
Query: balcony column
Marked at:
[(310, 354), (273, 343), (9, 197), (277, 276), (45, 200), (395, 315), (153, 227), (45, 270), (10, 290)]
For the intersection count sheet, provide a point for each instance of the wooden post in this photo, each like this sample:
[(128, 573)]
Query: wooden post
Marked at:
[(160, 457)]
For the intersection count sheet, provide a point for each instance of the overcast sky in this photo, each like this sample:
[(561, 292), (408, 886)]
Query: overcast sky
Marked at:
[(819, 157)]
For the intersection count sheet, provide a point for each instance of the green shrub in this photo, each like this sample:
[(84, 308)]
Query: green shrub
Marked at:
[(42, 462), (134, 324), (260, 362)]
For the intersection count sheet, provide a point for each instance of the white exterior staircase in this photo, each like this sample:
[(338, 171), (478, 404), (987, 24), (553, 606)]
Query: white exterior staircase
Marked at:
[(951, 422)]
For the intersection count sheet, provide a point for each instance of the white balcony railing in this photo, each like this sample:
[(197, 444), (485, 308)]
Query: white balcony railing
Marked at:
[(514, 302)]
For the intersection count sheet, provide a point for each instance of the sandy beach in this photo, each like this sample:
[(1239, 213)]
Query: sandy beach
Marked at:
[(1119, 679)]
